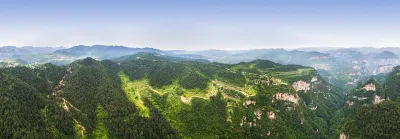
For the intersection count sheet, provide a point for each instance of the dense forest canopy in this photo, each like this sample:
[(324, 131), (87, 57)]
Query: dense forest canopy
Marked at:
[(148, 95)]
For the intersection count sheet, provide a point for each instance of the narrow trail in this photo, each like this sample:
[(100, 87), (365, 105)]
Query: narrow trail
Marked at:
[(61, 83), (188, 100), (155, 91), (213, 91), (66, 104), (82, 128), (238, 89)]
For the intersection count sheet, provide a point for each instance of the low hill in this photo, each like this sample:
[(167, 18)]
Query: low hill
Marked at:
[(386, 55), (103, 52)]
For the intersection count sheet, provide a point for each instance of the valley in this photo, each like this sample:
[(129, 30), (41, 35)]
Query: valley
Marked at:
[(199, 69), (153, 95)]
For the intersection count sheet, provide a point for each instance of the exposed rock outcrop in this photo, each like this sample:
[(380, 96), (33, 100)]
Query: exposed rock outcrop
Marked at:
[(242, 121), (350, 103), (271, 115), (248, 102), (184, 100), (314, 79), (287, 97), (258, 114), (383, 69), (377, 99), (362, 98), (301, 85), (343, 136), (65, 105), (314, 108), (369, 87)]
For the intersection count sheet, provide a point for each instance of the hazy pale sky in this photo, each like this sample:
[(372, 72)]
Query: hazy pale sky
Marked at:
[(201, 24)]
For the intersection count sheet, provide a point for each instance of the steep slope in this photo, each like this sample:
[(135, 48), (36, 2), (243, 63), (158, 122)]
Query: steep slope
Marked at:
[(153, 96), (103, 108), (255, 99), (84, 100), (370, 111), (366, 94), (375, 121), (341, 72), (17, 100), (27, 109), (392, 86)]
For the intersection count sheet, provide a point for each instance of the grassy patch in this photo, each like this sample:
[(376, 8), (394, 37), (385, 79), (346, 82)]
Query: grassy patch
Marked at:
[(176, 88), (278, 81), (101, 131), (133, 91), (250, 90), (79, 131)]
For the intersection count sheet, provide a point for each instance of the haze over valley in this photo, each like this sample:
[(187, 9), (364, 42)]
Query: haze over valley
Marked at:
[(204, 69), (263, 93)]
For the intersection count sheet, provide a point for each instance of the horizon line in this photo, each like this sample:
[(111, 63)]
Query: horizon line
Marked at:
[(225, 49)]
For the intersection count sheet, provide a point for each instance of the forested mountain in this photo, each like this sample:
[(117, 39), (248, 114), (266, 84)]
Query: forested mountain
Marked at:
[(372, 110), (155, 96), (11, 56), (152, 95), (84, 99), (343, 67)]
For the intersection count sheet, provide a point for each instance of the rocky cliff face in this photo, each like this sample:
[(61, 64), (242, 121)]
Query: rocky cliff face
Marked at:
[(383, 69), (301, 85), (287, 97), (368, 94), (370, 87)]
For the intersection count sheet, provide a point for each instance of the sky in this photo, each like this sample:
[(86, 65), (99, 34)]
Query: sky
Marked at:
[(201, 24)]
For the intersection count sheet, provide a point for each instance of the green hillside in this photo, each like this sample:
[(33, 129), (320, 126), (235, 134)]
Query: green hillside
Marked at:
[(151, 96), (370, 111)]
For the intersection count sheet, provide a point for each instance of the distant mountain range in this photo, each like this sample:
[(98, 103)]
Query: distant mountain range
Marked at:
[(344, 66), (103, 52), (121, 92), (12, 51)]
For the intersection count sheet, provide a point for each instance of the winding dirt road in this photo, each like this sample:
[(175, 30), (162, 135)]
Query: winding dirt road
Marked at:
[(66, 104)]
